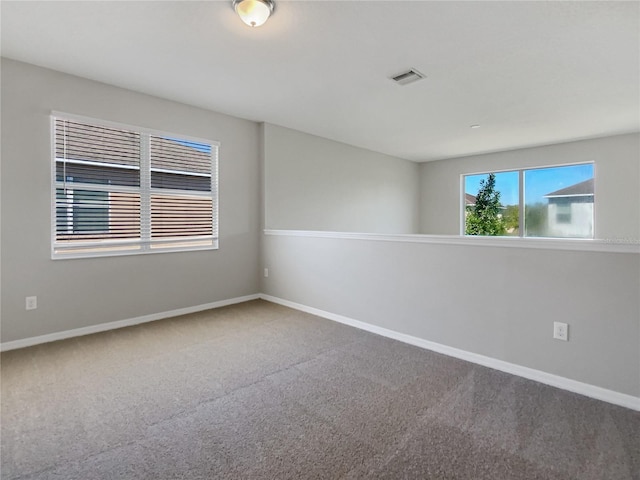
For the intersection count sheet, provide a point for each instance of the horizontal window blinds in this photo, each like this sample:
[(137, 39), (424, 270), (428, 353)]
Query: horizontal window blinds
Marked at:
[(117, 190), (93, 143), (181, 201)]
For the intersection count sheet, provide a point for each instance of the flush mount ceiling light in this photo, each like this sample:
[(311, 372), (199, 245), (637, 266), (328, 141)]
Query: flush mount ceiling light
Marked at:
[(253, 12)]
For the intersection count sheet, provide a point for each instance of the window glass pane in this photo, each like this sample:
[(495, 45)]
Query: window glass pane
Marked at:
[(177, 181), (90, 212), (96, 144), (180, 165), (559, 201), (180, 216), (174, 155), (97, 174), (85, 215), (491, 204)]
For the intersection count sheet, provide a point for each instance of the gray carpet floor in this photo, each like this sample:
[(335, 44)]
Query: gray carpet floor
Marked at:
[(257, 390)]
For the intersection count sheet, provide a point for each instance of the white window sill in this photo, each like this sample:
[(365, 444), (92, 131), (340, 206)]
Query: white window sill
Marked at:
[(126, 252)]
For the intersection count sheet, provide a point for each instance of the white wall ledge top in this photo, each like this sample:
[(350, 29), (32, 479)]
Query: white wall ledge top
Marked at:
[(614, 245)]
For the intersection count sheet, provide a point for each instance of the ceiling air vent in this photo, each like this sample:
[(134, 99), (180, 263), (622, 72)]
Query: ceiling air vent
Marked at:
[(408, 77)]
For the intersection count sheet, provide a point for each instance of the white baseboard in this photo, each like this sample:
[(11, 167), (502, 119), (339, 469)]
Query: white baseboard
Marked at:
[(102, 327), (564, 383)]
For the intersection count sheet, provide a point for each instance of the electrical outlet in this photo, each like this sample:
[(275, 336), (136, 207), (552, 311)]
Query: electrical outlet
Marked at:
[(266, 272), (31, 303), (561, 331)]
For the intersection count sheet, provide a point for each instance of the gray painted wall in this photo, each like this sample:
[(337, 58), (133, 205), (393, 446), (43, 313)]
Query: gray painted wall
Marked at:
[(617, 182), (427, 290), (318, 184), (84, 292), (497, 302)]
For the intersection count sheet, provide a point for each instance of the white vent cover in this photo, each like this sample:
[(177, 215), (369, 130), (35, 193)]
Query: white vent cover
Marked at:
[(408, 77)]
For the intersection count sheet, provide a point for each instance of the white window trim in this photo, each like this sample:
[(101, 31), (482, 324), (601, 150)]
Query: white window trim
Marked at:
[(144, 245), (521, 203)]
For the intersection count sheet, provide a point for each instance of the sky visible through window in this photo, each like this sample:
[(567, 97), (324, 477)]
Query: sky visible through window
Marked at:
[(539, 182), (202, 147)]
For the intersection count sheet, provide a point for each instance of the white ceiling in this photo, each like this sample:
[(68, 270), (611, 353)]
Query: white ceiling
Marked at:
[(530, 73)]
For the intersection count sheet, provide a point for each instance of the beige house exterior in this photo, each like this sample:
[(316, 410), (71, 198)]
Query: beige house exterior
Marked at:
[(570, 211)]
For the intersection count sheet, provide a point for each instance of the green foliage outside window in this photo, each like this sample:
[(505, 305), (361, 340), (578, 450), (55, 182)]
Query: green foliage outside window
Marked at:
[(485, 217), (511, 219), (536, 219)]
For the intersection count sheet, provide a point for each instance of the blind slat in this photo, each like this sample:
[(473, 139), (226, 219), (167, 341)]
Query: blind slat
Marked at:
[(92, 142)]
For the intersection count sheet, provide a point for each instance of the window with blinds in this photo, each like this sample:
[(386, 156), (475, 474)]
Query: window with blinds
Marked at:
[(122, 190)]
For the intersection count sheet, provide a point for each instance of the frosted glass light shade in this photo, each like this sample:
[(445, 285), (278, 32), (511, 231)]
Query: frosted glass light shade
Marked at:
[(253, 12)]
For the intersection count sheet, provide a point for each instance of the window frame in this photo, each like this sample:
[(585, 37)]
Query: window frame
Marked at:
[(521, 201), (144, 244)]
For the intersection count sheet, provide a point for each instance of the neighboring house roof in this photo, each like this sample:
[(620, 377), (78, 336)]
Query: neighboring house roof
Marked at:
[(172, 155), (92, 143), (581, 189), (469, 199)]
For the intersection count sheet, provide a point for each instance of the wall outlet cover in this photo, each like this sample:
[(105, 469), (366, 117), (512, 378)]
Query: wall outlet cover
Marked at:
[(561, 331), (31, 303)]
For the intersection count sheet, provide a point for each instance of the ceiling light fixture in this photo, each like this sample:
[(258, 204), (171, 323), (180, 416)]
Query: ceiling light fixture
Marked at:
[(475, 126), (254, 12)]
